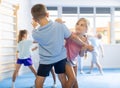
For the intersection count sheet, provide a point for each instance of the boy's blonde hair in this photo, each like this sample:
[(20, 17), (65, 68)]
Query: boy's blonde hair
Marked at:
[(38, 11)]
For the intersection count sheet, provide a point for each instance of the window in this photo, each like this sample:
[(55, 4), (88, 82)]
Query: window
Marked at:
[(102, 11), (117, 11), (53, 12), (88, 13), (117, 25), (103, 26), (103, 23), (70, 16), (101, 19), (69, 10)]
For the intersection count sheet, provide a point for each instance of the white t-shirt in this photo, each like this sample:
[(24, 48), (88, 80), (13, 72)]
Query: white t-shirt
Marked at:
[(96, 44), (24, 49)]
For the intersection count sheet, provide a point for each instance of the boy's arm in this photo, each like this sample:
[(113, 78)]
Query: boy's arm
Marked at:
[(59, 20), (102, 51)]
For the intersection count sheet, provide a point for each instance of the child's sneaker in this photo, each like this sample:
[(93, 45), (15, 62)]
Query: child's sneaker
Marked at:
[(54, 86), (81, 72), (101, 72), (88, 72), (13, 85)]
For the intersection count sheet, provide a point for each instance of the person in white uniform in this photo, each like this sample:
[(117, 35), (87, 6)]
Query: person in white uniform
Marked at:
[(97, 52)]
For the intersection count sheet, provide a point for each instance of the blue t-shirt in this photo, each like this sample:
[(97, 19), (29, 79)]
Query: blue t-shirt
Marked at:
[(51, 42), (24, 49)]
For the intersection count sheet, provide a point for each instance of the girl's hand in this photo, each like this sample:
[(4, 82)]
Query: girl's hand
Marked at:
[(90, 48)]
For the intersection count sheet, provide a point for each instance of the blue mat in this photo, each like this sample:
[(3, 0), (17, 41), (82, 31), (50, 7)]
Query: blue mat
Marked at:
[(110, 79)]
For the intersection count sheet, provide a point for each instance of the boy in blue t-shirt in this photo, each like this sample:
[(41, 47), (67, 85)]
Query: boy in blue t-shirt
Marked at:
[(50, 37)]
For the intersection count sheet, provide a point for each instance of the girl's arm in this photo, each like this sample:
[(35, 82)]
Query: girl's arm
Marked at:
[(17, 54), (34, 48), (35, 42)]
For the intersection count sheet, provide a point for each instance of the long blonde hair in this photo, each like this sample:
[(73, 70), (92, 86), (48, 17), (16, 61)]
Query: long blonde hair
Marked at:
[(83, 19), (21, 34)]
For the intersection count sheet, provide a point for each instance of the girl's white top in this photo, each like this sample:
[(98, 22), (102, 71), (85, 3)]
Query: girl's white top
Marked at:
[(24, 49)]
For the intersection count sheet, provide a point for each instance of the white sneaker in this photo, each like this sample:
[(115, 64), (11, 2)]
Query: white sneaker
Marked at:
[(13, 85), (54, 86), (81, 72), (101, 72), (88, 72)]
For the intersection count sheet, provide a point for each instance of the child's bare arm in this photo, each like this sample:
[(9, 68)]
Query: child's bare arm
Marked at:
[(34, 24), (17, 54), (102, 50), (79, 41), (59, 20), (76, 39), (90, 48), (34, 48), (35, 42)]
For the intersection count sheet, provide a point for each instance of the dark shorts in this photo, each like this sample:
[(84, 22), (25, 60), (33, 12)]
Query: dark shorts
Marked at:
[(26, 62), (59, 67)]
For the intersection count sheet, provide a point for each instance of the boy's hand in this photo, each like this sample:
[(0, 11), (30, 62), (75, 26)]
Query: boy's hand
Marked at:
[(34, 24), (59, 20)]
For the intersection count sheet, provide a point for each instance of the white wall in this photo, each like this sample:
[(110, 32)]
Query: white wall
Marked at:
[(79, 2), (111, 57), (24, 15)]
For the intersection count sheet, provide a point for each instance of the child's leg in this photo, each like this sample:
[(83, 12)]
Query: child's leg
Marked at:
[(91, 67), (99, 67), (16, 72), (62, 78), (75, 70), (53, 75), (39, 82), (63, 69), (42, 73), (70, 75), (33, 70), (94, 60), (80, 64)]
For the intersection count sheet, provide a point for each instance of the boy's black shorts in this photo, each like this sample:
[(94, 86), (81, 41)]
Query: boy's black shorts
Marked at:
[(59, 67)]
